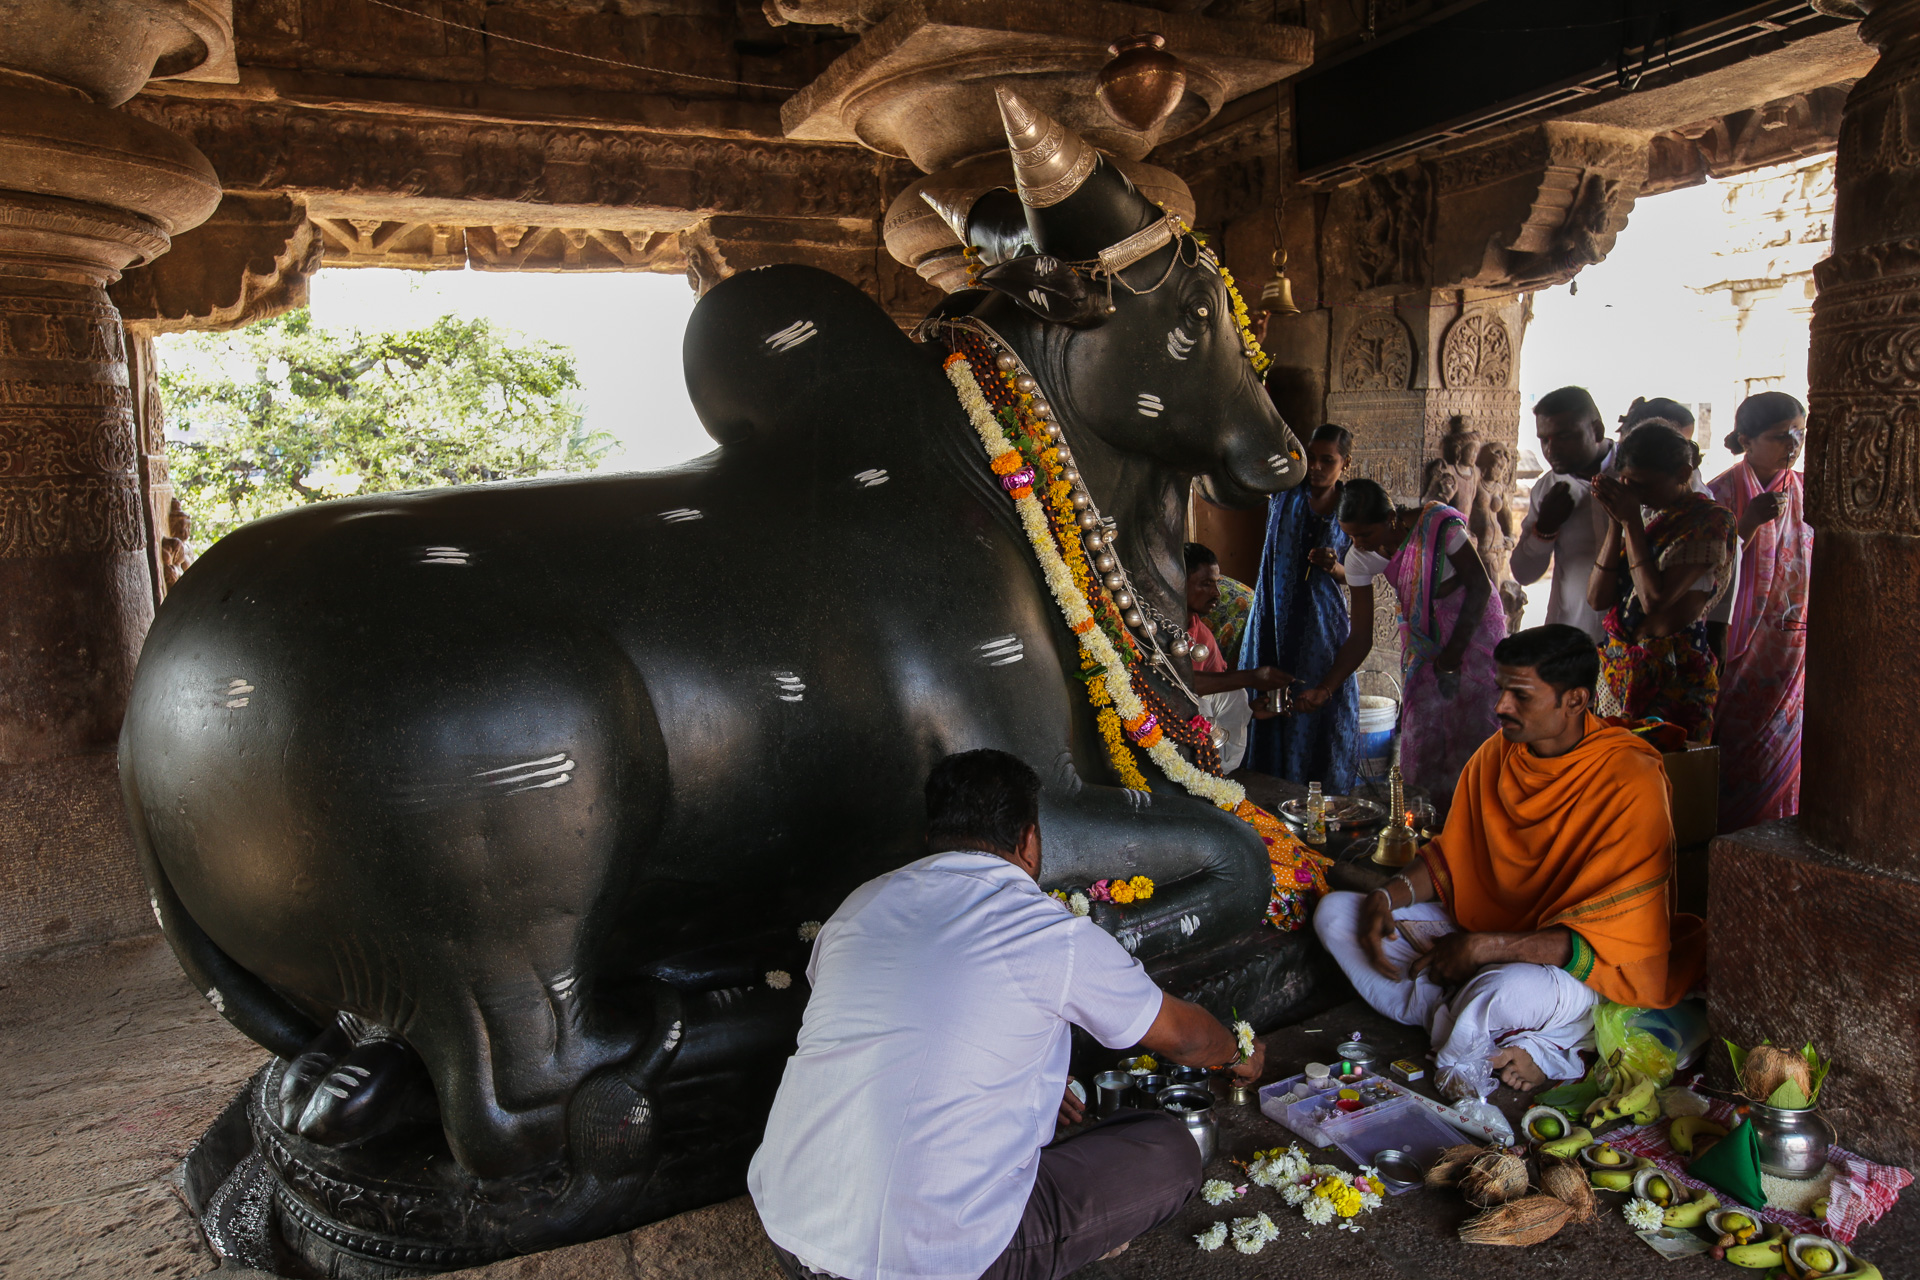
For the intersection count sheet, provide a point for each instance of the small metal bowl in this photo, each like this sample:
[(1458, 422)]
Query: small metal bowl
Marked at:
[(1150, 1085), (1397, 1170), (1187, 1075), (1134, 1066)]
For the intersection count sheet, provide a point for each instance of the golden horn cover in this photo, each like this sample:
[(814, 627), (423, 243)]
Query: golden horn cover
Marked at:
[(1050, 161), (954, 205)]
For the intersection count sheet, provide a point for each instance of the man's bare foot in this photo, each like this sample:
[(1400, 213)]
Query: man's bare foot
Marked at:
[(1117, 1251), (1516, 1070)]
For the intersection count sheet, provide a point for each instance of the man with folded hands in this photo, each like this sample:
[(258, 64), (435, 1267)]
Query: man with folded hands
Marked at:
[(1550, 890), (910, 1136)]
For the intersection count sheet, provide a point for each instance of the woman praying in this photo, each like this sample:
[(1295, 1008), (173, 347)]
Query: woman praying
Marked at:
[(1299, 620), (1654, 581), (1757, 721), (1448, 628)]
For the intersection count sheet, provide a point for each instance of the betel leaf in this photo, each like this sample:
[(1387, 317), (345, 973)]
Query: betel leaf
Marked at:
[(1739, 1057), (1819, 1067), (1789, 1097)]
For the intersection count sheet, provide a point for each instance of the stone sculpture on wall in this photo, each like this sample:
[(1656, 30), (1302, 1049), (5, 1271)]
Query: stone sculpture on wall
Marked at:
[(1454, 477), (1477, 352), (1378, 355)]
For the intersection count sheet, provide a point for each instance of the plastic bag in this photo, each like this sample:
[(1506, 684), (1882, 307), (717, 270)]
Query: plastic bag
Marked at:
[(1654, 1042)]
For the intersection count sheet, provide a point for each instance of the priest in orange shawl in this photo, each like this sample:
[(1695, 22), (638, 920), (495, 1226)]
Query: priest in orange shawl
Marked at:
[(1550, 890)]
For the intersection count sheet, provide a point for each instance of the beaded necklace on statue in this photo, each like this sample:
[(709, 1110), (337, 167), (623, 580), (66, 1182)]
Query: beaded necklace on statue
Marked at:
[(1027, 452)]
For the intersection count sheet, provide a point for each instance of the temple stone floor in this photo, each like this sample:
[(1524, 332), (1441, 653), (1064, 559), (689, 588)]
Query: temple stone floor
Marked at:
[(111, 1066)]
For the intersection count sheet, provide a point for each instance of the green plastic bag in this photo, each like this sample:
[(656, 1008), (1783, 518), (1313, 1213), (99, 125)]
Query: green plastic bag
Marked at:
[(1654, 1042)]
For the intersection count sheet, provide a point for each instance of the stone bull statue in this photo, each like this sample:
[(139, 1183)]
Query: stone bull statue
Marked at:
[(495, 812)]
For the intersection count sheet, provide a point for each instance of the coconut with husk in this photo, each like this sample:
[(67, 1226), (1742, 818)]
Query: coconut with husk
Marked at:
[(1495, 1177), (1566, 1182), (1768, 1067), (1521, 1222), (1446, 1169)]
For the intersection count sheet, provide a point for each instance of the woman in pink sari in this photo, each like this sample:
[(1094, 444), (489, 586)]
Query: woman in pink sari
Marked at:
[(1761, 690), (1449, 623)]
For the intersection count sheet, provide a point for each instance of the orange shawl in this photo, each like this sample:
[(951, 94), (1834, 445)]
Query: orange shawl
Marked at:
[(1584, 840)]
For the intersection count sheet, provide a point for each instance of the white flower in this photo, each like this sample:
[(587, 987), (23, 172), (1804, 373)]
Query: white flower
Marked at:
[(809, 930), (1318, 1210), (1296, 1194), (1078, 904), (1368, 1200), (1250, 1235), (779, 979), (1243, 1036), (1217, 1191), (1213, 1237), (1643, 1215), (1368, 1171)]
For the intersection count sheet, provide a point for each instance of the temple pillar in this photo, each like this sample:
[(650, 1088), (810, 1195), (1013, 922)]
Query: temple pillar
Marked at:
[(1816, 922), (84, 192)]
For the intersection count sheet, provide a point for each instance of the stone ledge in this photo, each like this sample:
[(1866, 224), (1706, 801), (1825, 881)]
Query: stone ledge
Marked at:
[(1808, 946)]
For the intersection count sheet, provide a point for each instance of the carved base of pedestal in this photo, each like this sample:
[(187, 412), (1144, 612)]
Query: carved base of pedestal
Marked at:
[(1806, 945)]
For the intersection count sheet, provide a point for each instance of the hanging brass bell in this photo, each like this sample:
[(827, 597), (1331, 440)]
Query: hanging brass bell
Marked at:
[(1276, 297)]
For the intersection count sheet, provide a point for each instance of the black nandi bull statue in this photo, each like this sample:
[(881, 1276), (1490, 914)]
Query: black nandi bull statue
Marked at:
[(493, 812)]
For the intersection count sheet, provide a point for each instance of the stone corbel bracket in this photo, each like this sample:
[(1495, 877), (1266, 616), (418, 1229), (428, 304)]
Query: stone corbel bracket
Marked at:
[(250, 260), (1525, 211)]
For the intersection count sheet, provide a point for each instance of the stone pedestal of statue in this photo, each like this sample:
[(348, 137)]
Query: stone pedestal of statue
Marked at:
[(1815, 923), (85, 191)]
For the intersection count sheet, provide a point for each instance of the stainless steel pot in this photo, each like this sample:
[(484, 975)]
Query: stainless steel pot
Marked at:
[(1192, 1105), (1793, 1143)]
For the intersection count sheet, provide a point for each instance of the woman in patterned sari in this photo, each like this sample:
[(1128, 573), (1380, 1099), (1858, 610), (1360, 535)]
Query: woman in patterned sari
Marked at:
[(1449, 623), (1654, 581), (1763, 683), (1299, 620)]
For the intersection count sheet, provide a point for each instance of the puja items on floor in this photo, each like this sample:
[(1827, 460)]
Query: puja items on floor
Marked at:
[(1759, 1186)]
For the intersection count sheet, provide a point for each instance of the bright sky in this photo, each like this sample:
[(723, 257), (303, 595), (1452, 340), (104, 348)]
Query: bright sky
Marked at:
[(624, 330)]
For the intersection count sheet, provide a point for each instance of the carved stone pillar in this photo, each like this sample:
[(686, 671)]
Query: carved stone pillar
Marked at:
[(84, 191), (1816, 924)]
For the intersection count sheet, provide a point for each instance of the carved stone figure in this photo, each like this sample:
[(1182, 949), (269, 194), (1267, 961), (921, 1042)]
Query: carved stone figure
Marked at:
[(496, 812), (1454, 477), (1495, 528)]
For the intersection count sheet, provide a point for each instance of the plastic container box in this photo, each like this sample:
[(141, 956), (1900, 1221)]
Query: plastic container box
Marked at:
[(1399, 1123)]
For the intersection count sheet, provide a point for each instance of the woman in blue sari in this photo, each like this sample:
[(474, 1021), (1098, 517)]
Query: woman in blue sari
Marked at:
[(1299, 621)]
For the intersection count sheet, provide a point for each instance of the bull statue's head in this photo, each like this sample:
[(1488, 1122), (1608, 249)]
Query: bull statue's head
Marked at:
[(1121, 313)]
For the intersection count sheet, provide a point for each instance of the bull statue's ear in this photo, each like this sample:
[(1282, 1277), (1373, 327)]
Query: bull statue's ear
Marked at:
[(1050, 289)]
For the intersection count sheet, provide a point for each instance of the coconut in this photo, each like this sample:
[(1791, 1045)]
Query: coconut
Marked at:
[(1817, 1255), (1522, 1222), (1768, 1067), (1545, 1124), (1563, 1180), (1447, 1167), (1494, 1177)]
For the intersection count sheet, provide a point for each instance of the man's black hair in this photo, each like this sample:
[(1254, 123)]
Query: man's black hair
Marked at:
[(1365, 502), (1568, 400), (1199, 556), (1565, 657), (981, 797)]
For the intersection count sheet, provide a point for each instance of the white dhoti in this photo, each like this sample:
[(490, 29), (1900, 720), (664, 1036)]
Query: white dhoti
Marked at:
[(1536, 1007), (1232, 714)]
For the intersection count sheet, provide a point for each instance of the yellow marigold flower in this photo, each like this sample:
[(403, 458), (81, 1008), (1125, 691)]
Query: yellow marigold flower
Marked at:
[(1121, 892), (1141, 886)]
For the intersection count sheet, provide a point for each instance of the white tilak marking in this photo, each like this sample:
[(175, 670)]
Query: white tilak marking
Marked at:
[(791, 689), (442, 555), (1002, 651), (1128, 939), (1150, 405), (792, 336), (673, 1035), (562, 986), (233, 697), (870, 478), (520, 777), (637, 1114), (680, 515), (1277, 462), (1188, 924), (338, 1093), (1206, 260), (153, 900), (218, 1001), (525, 764), (1039, 299), (1179, 344), (1138, 799)]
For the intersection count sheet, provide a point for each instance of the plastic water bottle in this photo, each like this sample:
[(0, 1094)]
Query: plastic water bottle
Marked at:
[(1316, 815)]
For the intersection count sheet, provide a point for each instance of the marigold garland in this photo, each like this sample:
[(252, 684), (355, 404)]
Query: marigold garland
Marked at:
[(1106, 645)]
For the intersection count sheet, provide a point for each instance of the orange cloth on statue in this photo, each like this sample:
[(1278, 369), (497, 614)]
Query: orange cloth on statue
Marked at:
[(1583, 840)]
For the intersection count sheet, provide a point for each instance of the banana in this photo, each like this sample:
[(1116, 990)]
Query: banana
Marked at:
[(1608, 1180), (1686, 1130), (1571, 1145), (1757, 1256), (1691, 1213)]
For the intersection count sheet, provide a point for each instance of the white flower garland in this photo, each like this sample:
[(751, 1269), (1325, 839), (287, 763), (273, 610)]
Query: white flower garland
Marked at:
[(1224, 792)]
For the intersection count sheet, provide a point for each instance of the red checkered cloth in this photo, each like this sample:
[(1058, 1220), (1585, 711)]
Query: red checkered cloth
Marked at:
[(1861, 1191)]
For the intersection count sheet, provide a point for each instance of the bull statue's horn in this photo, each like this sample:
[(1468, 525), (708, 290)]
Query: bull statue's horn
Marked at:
[(954, 205), (1050, 161)]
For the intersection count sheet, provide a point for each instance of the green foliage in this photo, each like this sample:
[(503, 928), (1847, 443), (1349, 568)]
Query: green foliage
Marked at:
[(283, 413)]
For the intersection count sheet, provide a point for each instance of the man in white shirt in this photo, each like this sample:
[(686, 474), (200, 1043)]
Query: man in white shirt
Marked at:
[(1563, 524), (910, 1134)]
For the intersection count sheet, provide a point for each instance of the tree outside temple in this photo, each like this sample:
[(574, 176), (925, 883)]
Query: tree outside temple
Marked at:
[(284, 413)]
